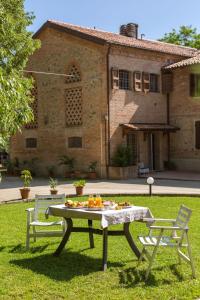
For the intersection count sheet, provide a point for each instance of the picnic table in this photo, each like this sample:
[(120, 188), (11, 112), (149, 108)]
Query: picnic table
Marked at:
[(106, 218)]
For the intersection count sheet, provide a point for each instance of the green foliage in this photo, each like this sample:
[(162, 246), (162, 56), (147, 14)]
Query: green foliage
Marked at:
[(67, 161), (26, 177), (185, 36), (16, 46), (79, 183), (53, 183), (92, 166), (122, 156)]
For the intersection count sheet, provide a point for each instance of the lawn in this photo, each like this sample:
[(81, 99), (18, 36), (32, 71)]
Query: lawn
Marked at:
[(76, 273)]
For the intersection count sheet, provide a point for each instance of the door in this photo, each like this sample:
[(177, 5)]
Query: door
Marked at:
[(152, 150)]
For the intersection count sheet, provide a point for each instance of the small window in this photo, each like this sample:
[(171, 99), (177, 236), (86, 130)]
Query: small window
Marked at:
[(75, 142), (31, 143), (124, 80), (154, 78), (197, 134), (195, 85)]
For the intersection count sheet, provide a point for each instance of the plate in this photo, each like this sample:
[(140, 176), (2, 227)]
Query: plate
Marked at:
[(124, 207), (79, 207), (94, 208)]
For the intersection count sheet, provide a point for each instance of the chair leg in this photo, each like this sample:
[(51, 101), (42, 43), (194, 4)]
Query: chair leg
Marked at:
[(190, 256), (34, 232), (27, 237), (141, 257)]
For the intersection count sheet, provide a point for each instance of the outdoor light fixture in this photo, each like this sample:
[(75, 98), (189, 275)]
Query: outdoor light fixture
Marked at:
[(150, 181)]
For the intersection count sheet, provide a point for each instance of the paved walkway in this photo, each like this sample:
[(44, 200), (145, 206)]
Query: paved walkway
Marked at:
[(9, 188)]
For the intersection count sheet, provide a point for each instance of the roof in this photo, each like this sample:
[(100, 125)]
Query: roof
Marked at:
[(149, 127), (184, 63), (101, 36)]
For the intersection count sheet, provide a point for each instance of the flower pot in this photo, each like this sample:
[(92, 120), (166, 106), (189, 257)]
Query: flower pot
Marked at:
[(54, 192), (79, 190), (92, 175), (25, 193)]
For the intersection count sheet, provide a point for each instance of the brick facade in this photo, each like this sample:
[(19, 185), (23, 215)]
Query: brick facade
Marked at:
[(86, 106)]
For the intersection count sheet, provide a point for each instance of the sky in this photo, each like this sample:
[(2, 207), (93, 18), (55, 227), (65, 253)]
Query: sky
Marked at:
[(155, 17)]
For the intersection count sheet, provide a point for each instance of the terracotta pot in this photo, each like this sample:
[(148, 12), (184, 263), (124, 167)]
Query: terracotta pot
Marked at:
[(79, 190), (92, 175), (54, 192), (25, 193)]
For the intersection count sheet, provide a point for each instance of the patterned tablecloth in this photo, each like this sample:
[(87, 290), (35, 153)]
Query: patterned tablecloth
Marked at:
[(106, 217)]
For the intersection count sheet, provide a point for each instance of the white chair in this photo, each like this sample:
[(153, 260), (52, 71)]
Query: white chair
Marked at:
[(42, 202), (142, 169), (177, 237)]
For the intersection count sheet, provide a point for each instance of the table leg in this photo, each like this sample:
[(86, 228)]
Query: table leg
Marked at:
[(105, 248), (91, 237), (130, 240), (65, 237)]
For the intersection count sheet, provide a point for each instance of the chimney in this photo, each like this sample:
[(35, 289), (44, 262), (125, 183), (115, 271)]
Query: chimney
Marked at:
[(130, 30)]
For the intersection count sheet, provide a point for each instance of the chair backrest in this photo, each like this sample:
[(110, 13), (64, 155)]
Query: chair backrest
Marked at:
[(42, 202), (183, 217), (141, 165)]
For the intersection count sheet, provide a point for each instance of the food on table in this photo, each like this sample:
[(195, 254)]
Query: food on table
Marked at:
[(75, 204)]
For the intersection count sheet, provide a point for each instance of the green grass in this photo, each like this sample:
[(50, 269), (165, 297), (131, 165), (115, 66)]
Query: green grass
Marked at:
[(76, 273)]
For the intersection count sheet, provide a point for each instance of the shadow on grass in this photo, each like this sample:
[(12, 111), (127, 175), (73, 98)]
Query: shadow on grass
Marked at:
[(132, 276), (62, 268)]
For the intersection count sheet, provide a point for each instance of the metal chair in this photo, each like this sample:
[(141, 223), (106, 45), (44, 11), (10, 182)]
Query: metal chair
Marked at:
[(42, 202), (177, 234)]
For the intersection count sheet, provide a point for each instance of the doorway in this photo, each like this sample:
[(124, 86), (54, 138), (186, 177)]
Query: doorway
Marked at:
[(152, 151)]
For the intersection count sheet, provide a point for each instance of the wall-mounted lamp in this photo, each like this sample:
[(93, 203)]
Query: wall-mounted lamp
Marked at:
[(150, 182)]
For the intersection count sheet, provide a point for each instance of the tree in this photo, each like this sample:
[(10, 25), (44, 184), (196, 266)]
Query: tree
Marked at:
[(16, 45), (185, 36)]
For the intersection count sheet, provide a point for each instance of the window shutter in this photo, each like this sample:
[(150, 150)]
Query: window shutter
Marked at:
[(138, 81), (146, 82), (167, 83), (192, 85), (197, 134), (115, 78)]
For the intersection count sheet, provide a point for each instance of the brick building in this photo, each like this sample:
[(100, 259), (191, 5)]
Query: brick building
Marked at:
[(119, 89)]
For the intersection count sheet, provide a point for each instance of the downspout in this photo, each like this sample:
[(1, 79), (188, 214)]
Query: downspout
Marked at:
[(168, 134), (107, 122)]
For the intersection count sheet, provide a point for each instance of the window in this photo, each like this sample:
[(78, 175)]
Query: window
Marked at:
[(138, 81), (73, 107), (195, 85), (124, 80), (75, 142), (154, 83), (167, 83), (197, 134), (31, 143), (132, 144)]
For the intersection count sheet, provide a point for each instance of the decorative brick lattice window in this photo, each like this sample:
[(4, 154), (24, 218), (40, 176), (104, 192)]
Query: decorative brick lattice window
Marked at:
[(31, 143), (34, 106), (75, 142), (73, 106), (75, 75)]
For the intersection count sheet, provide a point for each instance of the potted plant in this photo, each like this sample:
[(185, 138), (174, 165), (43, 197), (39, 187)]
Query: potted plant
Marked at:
[(68, 161), (79, 185), (53, 185), (27, 178), (92, 170)]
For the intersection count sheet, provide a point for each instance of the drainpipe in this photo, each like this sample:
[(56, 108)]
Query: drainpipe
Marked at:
[(107, 122), (168, 121)]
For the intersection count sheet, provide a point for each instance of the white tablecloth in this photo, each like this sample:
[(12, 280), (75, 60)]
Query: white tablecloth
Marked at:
[(106, 217)]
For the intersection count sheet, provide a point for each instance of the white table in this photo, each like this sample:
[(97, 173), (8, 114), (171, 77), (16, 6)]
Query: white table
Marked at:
[(106, 217)]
